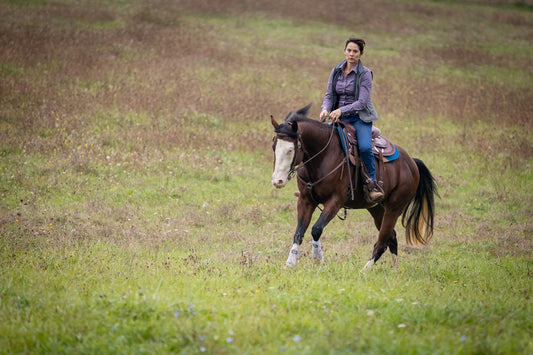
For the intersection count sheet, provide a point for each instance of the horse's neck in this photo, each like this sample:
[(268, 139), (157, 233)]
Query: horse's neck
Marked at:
[(318, 140)]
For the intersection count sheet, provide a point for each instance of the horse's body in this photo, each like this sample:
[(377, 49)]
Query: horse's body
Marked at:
[(324, 178)]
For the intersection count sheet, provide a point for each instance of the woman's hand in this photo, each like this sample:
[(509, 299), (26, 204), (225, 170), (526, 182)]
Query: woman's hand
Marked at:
[(323, 115), (335, 115)]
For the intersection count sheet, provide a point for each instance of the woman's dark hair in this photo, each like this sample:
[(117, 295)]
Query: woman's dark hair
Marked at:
[(359, 41)]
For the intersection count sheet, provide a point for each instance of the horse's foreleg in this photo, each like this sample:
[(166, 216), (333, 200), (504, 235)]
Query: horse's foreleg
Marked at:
[(305, 212), (317, 250), (293, 255), (325, 217), (303, 223)]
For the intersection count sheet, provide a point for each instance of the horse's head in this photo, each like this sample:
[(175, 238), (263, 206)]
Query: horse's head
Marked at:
[(287, 147)]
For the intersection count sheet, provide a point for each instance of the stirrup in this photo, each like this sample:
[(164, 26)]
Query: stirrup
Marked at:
[(375, 196), (372, 187)]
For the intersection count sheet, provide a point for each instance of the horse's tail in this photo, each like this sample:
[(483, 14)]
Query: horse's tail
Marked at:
[(418, 217)]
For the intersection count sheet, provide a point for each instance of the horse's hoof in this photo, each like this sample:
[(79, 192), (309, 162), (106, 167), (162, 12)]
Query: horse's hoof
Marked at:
[(367, 266), (394, 261), (317, 250), (292, 260)]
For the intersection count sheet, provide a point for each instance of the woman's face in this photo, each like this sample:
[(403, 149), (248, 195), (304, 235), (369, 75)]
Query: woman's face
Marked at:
[(352, 52)]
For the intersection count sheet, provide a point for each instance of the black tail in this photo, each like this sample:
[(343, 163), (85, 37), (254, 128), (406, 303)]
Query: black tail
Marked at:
[(419, 215)]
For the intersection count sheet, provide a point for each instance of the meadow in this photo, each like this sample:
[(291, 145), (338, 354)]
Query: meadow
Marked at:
[(136, 209)]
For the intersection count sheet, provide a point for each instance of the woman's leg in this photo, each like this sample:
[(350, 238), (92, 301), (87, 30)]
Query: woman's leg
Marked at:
[(364, 139)]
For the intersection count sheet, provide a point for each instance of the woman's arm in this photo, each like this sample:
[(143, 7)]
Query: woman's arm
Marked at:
[(327, 104)]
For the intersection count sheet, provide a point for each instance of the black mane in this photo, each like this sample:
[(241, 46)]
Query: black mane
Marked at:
[(290, 125)]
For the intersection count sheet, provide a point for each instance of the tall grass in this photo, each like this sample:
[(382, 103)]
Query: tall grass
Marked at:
[(136, 210)]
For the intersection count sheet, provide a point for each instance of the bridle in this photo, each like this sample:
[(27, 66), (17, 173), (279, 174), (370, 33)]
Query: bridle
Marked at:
[(298, 150)]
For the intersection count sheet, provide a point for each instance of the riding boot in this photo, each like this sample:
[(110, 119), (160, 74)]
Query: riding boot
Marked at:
[(373, 191), (376, 194)]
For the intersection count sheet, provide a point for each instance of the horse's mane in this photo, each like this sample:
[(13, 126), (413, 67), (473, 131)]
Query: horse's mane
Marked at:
[(286, 128)]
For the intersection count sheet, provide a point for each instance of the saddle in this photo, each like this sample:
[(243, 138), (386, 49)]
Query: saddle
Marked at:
[(384, 150)]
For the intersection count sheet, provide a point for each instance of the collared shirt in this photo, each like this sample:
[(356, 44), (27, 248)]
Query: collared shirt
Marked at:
[(344, 89)]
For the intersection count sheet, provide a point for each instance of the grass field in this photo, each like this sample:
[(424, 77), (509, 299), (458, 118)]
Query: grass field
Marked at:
[(136, 209)]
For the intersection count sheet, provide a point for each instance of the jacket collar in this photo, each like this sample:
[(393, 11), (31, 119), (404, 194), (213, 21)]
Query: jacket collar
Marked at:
[(358, 68)]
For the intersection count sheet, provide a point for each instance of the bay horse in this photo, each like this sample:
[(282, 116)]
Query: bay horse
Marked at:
[(313, 150)]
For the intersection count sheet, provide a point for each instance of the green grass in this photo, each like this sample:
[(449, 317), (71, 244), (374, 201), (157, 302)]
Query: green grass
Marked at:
[(136, 209), (166, 300)]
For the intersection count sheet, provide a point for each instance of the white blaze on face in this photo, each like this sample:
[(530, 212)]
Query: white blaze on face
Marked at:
[(284, 156)]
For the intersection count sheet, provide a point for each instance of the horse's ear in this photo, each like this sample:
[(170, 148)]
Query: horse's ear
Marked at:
[(304, 110), (294, 126), (274, 123)]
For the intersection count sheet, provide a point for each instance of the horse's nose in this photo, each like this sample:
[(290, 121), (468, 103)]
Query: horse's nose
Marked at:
[(279, 183)]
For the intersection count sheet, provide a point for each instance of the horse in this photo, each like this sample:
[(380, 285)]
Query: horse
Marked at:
[(313, 151)]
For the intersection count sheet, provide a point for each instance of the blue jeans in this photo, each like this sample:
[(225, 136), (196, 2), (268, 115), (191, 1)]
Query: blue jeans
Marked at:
[(364, 140)]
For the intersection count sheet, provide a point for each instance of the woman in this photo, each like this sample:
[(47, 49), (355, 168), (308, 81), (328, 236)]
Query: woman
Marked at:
[(348, 99)]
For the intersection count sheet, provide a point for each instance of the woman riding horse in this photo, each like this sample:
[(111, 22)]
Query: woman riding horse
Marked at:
[(313, 150), (348, 99)]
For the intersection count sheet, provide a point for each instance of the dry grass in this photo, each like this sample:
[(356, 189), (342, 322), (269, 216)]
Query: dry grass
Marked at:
[(59, 75)]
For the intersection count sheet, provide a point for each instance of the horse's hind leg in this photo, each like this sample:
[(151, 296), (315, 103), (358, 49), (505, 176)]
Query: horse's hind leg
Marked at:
[(385, 221), (393, 247)]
